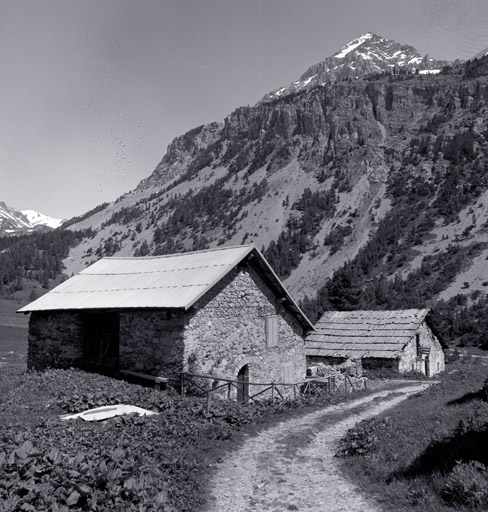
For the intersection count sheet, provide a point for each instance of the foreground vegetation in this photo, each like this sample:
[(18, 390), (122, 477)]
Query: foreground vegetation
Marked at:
[(429, 454), (127, 463)]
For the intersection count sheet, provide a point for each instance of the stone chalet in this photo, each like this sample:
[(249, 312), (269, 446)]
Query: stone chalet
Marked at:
[(401, 340), (221, 312)]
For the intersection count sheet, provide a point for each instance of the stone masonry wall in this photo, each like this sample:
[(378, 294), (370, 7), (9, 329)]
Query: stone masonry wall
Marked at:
[(55, 340), (152, 342), (436, 356), (408, 359), (377, 363), (226, 330)]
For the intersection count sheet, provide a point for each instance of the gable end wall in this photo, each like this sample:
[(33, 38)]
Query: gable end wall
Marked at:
[(226, 330), (409, 360)]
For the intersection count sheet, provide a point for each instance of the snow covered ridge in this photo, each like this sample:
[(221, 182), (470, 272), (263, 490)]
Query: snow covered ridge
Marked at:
[(38, 219), (349, 47), (13, 221), (365, 55)]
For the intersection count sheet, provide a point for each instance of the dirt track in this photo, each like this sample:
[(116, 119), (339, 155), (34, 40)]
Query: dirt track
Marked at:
[(291, 466)]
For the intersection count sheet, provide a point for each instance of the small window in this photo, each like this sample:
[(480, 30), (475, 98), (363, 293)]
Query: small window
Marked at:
[(272, 330)]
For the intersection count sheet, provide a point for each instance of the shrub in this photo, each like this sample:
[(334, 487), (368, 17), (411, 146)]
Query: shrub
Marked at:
[(361, 439), (466, 485)]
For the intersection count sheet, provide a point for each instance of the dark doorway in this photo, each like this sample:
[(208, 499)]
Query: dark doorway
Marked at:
[(101, 341), (243, 384)]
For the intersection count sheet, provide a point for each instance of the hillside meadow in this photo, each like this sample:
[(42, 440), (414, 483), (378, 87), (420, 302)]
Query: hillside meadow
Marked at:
[(429, 455)]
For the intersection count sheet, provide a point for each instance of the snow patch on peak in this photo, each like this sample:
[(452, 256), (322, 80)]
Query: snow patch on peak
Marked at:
[(39, 219), (349, 47)]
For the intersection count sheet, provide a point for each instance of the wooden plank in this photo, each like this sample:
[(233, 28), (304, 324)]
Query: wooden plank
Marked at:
[(160, 382), (144, 376)]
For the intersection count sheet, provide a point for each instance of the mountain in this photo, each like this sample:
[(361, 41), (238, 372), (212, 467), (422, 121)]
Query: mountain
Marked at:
[(14, 222), (368, 54), (362, 193), (311, 177), (481, 54)]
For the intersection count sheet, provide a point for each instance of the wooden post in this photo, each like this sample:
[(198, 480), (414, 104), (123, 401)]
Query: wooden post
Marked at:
[(207, 408), (182, 381), (294, 391), (345, 385), (272, 391), (228, 390)]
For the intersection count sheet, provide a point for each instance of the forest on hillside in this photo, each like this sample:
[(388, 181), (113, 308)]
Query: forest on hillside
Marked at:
[(37, 256)]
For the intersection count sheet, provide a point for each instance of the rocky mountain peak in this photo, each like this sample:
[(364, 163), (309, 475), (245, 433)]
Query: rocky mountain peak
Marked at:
[(366, 55)]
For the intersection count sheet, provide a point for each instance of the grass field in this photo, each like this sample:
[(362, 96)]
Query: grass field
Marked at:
[(13, 333)]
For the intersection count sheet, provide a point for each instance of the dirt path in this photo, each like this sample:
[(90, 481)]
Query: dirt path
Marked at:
[(291, 466)]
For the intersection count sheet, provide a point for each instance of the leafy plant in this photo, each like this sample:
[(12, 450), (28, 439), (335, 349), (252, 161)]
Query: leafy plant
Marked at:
[(361, 439)]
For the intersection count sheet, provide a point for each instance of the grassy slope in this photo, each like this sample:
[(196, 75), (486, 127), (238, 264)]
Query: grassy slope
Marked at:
[(415, 449), (13, 333)]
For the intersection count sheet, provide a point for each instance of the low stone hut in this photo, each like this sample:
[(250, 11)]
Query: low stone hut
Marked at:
[(400, 340), (221, 312)]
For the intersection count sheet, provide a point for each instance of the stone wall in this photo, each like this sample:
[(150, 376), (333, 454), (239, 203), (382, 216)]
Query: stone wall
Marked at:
[(152, 342), (226, 330), (376, 363), (331, 366), (55, 340)]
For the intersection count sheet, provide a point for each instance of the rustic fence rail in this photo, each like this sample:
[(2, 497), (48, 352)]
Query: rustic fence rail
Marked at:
[(276, 390)]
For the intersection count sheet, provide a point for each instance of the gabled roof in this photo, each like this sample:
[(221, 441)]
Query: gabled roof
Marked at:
[(170, 281), (357, 334)]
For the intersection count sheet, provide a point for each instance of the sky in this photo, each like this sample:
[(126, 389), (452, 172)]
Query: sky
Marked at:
[(93, 91)]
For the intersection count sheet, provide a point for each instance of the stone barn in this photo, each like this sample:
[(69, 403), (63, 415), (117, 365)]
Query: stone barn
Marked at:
[(221, 312), (399, 340)]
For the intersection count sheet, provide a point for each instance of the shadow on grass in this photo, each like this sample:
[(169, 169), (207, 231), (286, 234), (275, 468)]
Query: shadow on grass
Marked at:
[(469, 397), (441, 457)]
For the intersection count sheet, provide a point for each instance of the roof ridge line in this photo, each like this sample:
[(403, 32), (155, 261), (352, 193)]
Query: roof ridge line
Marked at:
[(161, 256)]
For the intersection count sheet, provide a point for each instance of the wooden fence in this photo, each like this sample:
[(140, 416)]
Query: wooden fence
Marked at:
[(275, 390)]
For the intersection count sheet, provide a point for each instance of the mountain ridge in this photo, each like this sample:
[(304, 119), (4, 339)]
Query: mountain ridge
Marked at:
[(14, 222), (269, 155)]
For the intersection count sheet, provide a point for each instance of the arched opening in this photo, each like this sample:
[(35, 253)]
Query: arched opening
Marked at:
[(243, 384)]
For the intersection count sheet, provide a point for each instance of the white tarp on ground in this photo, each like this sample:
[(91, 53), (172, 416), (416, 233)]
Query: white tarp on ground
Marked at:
[(109, 411)]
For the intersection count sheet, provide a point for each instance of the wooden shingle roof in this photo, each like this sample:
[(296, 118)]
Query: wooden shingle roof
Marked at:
[(381, 334)]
